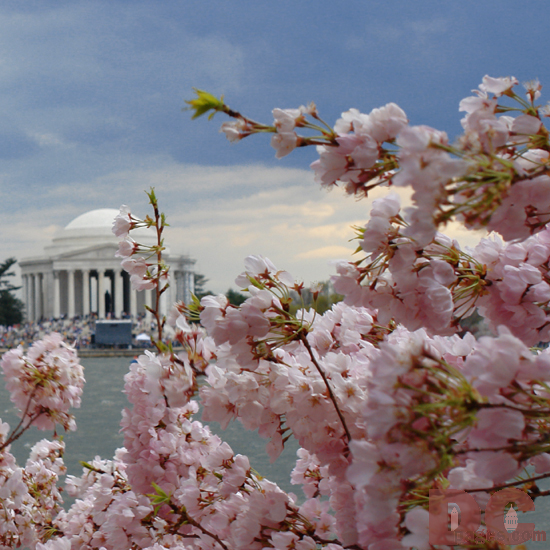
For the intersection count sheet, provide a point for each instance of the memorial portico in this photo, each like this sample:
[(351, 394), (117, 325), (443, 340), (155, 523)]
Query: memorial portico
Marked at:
[(79, 274)]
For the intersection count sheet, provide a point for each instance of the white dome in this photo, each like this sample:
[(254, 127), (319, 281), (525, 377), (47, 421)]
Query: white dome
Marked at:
[(94, 228), (103, 217)]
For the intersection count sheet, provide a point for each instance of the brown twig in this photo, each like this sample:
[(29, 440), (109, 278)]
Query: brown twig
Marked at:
[(186, 519), (513, 484), (14, 435), (322, 541), (158, 291), (304, 340)]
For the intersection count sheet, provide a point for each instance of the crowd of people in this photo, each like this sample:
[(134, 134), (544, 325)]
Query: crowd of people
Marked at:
[(78, 331)]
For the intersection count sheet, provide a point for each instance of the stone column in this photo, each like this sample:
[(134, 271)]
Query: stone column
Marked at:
[(85, 292), (191, 283), (164, 305), (178, 283), (119, 293), (71, 300), (30, 305), (133, 302), (56, 295), (148, 301), (25, 279), (29, 297), (170, 297), (37, 297), (101, 294), (187, 286)]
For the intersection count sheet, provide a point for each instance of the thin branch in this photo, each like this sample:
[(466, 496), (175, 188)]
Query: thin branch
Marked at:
[(320, 540), (512, 448), (513, 484), (207, 532), (303, 338), (535, 412), (14, 435), (186, 519), (159, 264)]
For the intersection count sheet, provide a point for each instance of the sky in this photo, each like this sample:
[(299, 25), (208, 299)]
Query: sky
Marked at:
[(91, 98)]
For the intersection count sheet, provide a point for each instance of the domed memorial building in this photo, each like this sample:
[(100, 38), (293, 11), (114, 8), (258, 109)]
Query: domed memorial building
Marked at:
[(79, 274)]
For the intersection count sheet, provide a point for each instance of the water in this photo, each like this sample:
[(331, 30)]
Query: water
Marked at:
[(98, 426)]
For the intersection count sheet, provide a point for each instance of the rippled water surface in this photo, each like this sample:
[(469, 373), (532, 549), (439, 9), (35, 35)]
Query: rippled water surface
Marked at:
[(98, 425)]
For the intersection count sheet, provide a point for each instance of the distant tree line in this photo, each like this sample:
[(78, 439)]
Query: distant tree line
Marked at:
[(11, 307), (321, 301), (235, 298)]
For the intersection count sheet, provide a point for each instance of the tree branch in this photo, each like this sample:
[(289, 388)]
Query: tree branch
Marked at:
[(512, 484), (304, 340)]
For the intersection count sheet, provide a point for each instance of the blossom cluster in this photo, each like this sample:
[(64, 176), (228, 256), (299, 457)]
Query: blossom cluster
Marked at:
[(44, 384), (381, 413), (175, 484), (139, 260), (30, 495), (438, 285)]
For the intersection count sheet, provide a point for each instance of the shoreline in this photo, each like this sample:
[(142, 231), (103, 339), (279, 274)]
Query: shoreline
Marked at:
[(108, 352), (105, 352)]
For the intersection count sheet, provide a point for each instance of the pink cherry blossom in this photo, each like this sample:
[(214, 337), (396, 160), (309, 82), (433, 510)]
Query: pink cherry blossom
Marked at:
[(287, 119), (235, 129), (123, 222), (284, 143), (498, 86), (126, 248), (45, 383)]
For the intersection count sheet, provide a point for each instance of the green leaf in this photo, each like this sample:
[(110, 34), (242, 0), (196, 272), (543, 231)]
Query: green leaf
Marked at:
[(203, 103), (160, 492), (162, 347), (158, 498), (257, 474), (152, 196)]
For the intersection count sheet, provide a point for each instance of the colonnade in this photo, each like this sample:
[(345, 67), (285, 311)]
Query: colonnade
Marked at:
[(71, 292)]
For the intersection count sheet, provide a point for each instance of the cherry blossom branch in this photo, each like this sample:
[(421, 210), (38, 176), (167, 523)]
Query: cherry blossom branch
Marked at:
[(207, 532), (14, 435), (159, 226), (186, 519), (514, 448), (304, 340), (543, 413), (148, 271), (537, 493), (512, 484), (320, 540)]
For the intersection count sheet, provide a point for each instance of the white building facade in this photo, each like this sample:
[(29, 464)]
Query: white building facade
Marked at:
[(78, 274)]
